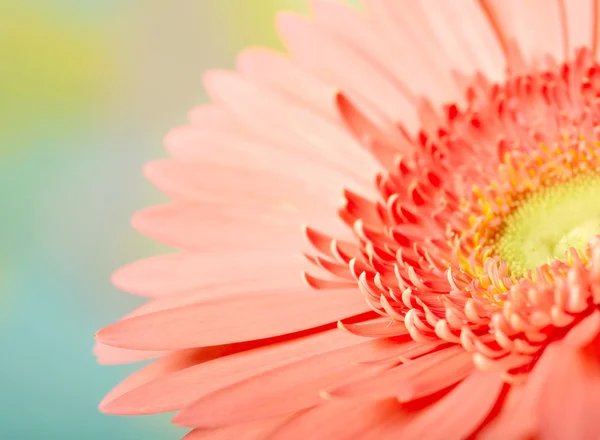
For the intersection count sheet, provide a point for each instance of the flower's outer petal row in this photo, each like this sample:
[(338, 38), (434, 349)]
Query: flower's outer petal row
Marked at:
[(205, 120)]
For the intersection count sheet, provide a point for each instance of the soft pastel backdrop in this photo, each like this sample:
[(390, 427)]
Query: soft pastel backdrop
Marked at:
[(87, 90)]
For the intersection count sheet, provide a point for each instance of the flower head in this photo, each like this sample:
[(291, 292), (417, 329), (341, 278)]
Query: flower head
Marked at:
[(459, 293)]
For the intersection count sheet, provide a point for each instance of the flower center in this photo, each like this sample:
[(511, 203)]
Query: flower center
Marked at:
[(549, 222)]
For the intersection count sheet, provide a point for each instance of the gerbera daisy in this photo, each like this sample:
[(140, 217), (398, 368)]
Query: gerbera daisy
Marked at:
[(454, 293)]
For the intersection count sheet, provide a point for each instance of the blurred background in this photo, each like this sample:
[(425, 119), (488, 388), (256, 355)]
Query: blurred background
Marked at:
[(87, 90)]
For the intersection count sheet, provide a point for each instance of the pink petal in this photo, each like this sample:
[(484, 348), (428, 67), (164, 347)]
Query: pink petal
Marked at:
[(210, 227), (185, 272), (176, 391), (195, 182), (380, 328), (236, 319), (108, 355), (268, 394), (206, 139), (211, 119)]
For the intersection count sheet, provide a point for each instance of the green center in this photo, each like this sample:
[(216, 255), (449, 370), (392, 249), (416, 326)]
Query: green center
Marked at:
[(550, 222)]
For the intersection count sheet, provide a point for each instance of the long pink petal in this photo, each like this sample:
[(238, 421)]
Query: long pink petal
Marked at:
[(210, 227), (233, 272), (194, 181), (212, 119), (108, 355), (380, 328), (204, 139), (237, 319)]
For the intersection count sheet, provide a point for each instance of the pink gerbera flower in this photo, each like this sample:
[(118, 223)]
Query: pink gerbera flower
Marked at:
[(459, 281)]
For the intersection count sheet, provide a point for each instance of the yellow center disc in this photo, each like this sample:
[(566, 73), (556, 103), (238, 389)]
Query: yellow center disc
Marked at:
[(550, 222)]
